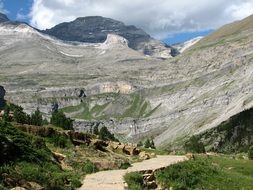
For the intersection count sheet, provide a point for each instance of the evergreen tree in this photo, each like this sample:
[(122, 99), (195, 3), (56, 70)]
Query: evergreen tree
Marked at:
[(147, 143), (60, 120), (152, 144), (36, 118), (20, 116), (6, 116), (95, 130), (105, 134)]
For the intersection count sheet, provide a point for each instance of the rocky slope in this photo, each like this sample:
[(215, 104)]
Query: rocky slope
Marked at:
[(181, 47), (94, 29), (2, 94), (232, 136), (174, 98)]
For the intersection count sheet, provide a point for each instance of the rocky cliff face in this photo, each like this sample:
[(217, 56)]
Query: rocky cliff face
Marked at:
[(95, 30), (3, 18), (2, 94)]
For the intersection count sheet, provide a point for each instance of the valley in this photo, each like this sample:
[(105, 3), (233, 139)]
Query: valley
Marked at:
[(108, 96)]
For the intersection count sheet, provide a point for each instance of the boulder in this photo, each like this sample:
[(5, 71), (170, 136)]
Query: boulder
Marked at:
[(149, 177), (99, 144), (18, 188), (131, 150), (106, 165), (58, 156), (151, 185), (189, 156), (113, 145), (144, 155), (32, 186)]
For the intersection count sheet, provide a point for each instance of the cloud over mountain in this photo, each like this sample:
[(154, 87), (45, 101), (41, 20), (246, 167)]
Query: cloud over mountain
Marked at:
[(159, 18)]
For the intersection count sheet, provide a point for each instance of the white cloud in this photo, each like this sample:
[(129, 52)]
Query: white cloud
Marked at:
[(158, 17)]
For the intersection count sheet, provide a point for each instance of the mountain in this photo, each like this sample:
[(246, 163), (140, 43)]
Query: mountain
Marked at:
[(228, 31), (134, 95), (94, 29), (3, 18)]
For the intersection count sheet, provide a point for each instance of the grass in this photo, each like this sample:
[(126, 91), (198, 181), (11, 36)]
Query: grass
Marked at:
[(218, 172), (71, 109), (133, 106), (26, 157)]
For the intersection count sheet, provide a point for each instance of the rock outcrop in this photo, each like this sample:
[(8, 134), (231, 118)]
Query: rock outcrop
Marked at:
[(3, 18), (2, 94)]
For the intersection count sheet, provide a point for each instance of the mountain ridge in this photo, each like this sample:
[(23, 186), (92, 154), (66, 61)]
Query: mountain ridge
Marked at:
[(94, 29)]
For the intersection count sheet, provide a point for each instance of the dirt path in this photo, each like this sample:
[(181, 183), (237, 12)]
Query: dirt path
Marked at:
[(113, 180)]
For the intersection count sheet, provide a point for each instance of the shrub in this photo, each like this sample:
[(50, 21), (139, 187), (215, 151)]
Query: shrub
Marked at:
[(89, 167), (149, 144), (134, 181), (60, 141), (22, 146), (250, 153), (194, 146), (187, 175), (125, 165)]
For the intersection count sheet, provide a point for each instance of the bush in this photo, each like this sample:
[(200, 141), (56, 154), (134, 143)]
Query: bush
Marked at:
[(125, 165), (194, 146), (18, 145), (187, 175), (60, 141), (149, 144), (250, 153), (89, 168), (134, 181)]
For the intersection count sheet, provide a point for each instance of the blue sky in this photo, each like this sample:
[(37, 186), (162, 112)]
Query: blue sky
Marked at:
[(185, 36), (170, 21), (17, 8)]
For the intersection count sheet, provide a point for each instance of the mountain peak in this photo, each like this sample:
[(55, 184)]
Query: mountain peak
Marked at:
[(94, 29), (3, 18)]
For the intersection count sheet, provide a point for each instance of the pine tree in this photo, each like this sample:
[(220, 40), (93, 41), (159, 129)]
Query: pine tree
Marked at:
[(6, 116), (147, 143), (60, 120), (36, 118), (95, 130)]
